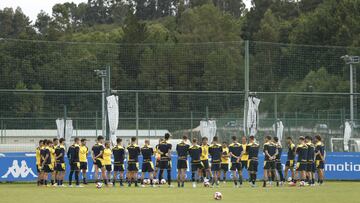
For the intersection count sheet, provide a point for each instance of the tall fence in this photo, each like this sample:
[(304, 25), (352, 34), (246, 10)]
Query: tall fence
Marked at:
[(175, 86)]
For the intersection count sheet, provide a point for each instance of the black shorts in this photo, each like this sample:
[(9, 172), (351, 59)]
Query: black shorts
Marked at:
[(319, 164), (215, 167), (133, 166), (205, 164), (60, 167), (108, 168), (119, 167), (181, 164), (83, 165), (278, 165), (196, 166), (269, 165), (165, 164), (310, 167), (224, 167), (235, 166), (290, 163), (48, 168), (244, 164), (253, 165), (98, 163), (74, 166), (147, 167), (301, 166)]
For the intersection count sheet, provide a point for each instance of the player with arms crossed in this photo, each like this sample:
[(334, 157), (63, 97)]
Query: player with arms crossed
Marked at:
[(60, 162), (225, 160), (290, 163), (253, 151), (147, 166), (196, 164), (97, 153), (84, 150), (38, 161), (74, 162), (278, 165), (301, 165), (206, 171), (215, 151), (133, 162), (244, 156), (270, 152), (182, 150), (310, 167), (319, 158), (119, 156), (164, 149), (236, 150), (107, 161), (157, 157), (46, 166), (54, 144)]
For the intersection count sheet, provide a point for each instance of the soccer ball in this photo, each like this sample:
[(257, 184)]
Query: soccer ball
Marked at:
[(99, 185), (163, 181), (156, 181), (289, 179), (217, 196), (206, 184), (146, 181)]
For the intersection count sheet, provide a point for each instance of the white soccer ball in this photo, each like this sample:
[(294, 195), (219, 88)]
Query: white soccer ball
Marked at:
[(289, 179), (146, 181), (156, 181), (99, 185), (217, 196), (163, 181), (206, 184)]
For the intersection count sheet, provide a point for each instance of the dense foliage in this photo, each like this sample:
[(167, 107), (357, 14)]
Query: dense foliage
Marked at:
[(174, 45)]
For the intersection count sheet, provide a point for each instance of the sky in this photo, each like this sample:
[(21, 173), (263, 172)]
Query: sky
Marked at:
[(32, 7)]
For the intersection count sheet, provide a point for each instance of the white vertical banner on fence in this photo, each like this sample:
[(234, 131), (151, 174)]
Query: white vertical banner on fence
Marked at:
[(60, 127), (113, 116), (347, 135), (278, 128), (68, 132), (204, 129), (253, 115), (212, 129)]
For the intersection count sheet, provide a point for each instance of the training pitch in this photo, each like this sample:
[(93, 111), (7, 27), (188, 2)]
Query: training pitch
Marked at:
[(346, 192)]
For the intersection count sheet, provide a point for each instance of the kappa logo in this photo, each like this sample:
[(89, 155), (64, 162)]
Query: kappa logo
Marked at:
[(19, 171)]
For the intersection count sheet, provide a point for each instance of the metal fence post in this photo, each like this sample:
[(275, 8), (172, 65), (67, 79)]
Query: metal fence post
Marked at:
[(96, 123), (65, 118), (191, 124), (107, 93), (276, 113), (246, 85), (137, 115)]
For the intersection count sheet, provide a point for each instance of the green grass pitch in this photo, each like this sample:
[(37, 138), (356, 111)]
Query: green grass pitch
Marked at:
[(346, 192)]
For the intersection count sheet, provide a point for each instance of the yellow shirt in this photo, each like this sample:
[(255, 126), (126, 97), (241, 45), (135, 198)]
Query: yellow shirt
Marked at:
[(245, 156), (83, 153), (38, 156), (225, 160), (107, 156), (52, 154), (204, 152)]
